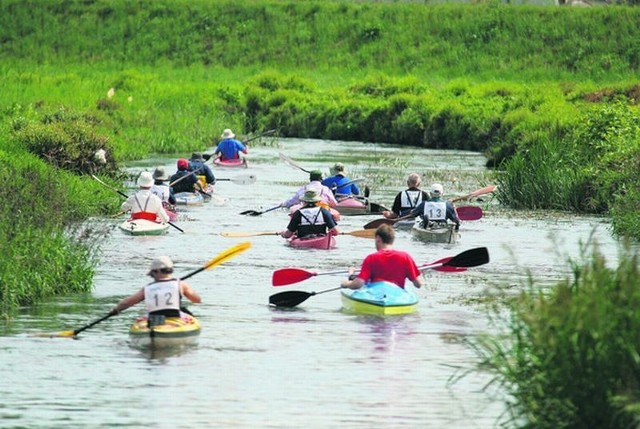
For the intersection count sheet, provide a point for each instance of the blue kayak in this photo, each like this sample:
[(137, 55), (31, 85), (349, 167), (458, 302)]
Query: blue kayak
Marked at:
[(379, 298)]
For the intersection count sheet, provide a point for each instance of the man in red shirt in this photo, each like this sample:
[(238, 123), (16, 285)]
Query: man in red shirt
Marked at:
[(386, 264)]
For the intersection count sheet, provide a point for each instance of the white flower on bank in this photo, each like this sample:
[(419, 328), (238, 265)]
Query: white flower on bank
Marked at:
[(100, 156), (111, 93), (130, 99)]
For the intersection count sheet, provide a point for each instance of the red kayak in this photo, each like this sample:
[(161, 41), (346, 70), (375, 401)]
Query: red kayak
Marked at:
[(233, 163), (318, 242)]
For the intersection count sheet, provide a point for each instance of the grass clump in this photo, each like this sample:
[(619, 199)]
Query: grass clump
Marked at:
[(571, 358)]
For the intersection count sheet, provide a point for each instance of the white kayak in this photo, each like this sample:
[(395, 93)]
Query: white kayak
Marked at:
[(143, 227)]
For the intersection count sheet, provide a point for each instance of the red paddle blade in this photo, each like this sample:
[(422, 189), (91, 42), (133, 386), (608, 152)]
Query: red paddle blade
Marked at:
[(287, 276), (469, 212)]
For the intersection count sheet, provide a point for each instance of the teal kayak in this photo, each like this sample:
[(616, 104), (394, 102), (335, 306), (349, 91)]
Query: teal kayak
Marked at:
[(379, 298)]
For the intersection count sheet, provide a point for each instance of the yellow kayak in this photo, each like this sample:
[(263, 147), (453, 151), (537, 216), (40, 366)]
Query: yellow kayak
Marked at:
[(175, 331)]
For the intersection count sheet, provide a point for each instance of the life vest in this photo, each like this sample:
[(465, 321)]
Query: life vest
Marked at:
[(143, 214), (410, 199), (162, 295), (311, 222)]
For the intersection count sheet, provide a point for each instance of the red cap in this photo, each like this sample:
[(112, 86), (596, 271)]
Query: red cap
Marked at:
[(183, 164)]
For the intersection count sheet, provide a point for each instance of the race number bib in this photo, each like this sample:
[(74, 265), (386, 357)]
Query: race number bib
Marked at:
[(162, 296), (435, 211)]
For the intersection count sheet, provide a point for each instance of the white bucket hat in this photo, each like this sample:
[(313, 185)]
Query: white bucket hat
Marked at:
[(436, 188), (145, 180), (227, 134), (161, 263)]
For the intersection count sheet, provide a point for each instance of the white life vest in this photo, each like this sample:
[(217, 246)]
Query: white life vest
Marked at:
[(161, 191), (311, 216), (162, 295), (435, 211), (410, 199)]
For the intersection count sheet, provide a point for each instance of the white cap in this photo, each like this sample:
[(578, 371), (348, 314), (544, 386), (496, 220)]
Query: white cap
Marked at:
[(436, 188), (145, 180), (160, 263)]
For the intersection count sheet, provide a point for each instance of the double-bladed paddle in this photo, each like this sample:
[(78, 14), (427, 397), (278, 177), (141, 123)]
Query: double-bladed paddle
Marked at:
[(258, 213), (468, 258), (362, 233), (466, 213), (126, 196), (217, 260), (290, 162), (482, 191)]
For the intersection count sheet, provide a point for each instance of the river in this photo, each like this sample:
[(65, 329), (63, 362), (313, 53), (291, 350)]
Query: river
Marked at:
[(314, 366)]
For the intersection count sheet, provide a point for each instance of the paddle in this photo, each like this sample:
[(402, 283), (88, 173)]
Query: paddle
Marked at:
[(247, 179), (217, 260), (362, 233), (290, 162), (469, 258), (468, 213), (258, 213), (292, 298), (126, 196), (266, 133), (476, 193)]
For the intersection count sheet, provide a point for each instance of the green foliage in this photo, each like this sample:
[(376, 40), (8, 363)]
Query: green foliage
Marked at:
[(571, 358), (44, 252), (67, 141)]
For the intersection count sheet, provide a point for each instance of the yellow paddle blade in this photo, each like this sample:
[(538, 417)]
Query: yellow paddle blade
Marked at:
[(362, 233), (227, 254), (55, 334)]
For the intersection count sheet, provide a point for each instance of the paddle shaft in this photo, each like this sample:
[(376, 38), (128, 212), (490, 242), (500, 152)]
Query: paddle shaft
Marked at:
[(95, 322), (266, 133), (290, 162), (126, 196), (476, 193)]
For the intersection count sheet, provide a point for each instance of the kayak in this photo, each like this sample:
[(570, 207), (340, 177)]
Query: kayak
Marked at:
[(189, 198), (318, 242), (173, 216), (436, 234), (143, 227), (232, 163), (355, 206), (175, 331), (379, 298), (405, 224)]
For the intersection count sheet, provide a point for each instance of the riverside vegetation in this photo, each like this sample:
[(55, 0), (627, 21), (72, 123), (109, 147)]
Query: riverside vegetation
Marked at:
[(549, 94)]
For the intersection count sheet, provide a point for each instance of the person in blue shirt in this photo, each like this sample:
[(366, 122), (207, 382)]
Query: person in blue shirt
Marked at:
[(229, 147), (339, 182), (198, 166)]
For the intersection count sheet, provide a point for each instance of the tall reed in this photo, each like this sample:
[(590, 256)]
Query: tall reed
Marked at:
[(570, 356)]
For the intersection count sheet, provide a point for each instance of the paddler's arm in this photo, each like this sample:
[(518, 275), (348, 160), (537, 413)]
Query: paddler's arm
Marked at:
[(353, 282), (129, 301)]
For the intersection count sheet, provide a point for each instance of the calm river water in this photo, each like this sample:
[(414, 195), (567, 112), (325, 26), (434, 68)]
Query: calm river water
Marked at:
[(313, 367)]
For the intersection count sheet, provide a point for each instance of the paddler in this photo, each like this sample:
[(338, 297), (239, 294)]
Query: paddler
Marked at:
[(162, 296), (327, 199), (144, 204), (310, 219), (339, 182), (408, 199)]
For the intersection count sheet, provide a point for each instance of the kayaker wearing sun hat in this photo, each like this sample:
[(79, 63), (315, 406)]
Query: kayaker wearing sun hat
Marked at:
[(229, 147), (166, 286), (310, 219), (326, 196), (144, 204), (338, 182), (162, 189)]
